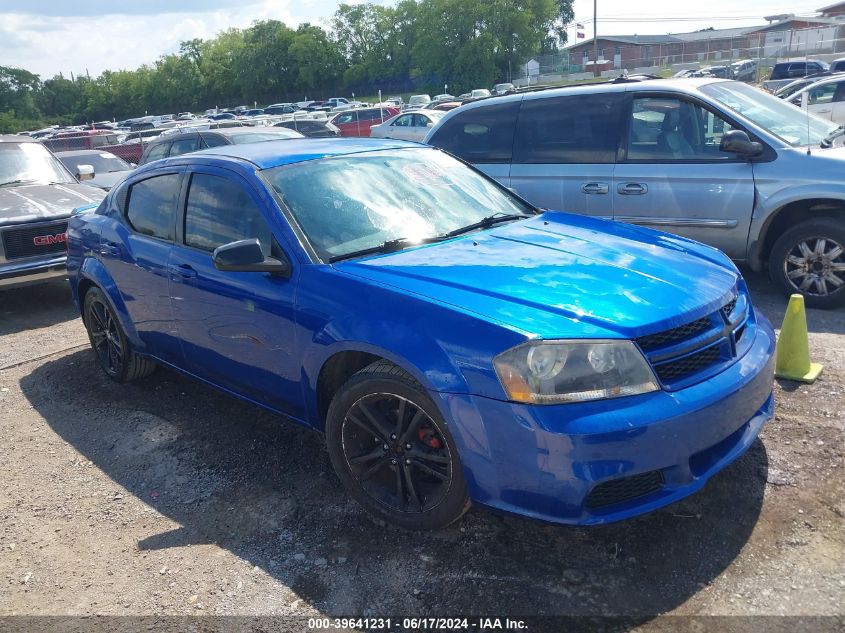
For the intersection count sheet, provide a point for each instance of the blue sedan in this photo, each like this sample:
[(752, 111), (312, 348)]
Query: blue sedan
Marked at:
[(454, 344)]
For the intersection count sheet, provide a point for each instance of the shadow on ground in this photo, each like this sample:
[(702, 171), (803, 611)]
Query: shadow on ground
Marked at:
[(37, 306), (232, 474), (769, 299)]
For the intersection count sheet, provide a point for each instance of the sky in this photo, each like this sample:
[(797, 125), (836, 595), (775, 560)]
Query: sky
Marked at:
[(52, 36)]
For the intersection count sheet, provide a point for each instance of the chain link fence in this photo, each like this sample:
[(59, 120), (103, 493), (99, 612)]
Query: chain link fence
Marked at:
[(670, 54)]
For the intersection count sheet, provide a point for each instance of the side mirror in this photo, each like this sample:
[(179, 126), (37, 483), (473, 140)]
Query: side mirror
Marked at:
[(429, 124), (246, 256), (84, 172), (737, 142)]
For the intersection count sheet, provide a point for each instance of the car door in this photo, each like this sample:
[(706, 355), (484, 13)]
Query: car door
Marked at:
[(820, 99), (482, 136), (236, 328), (838, 106), (135, 248), (672, 175), (401, 126), (419, 127), (565, 150)]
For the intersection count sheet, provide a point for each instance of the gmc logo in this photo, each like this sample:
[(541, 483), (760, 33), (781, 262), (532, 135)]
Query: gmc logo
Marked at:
[(47, 240)]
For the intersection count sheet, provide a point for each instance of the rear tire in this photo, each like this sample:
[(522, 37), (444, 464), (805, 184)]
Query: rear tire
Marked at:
[(109, 343), (393, 451), (809, 259)]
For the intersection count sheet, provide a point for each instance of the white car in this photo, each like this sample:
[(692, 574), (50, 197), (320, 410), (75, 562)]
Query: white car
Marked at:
[(409, 126), (479, 93), (824, 98)]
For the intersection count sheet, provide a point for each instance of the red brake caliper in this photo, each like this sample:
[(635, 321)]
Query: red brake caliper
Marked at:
[(428, 437)]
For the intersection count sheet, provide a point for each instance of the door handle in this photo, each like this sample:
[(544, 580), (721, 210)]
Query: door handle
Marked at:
[(595, 187), (827, 111), (632, 189), (185, 271)]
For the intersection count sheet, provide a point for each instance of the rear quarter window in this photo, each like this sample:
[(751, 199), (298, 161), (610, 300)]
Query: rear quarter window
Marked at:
[(480, 135)]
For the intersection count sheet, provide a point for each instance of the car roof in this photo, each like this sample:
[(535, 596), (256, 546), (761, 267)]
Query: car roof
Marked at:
[(297, 150), (830, 79), (17, 138), (84, 152)]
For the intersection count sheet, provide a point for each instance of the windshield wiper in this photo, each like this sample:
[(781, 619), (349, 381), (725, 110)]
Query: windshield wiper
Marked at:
[(390, 246), (13, 182), (485, 223)]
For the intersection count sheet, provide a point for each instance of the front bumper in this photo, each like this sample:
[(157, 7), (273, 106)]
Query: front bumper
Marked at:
[(545, 462), (24, 273)]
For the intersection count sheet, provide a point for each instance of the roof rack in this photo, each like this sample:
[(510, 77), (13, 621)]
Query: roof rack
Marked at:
[(622, 79)]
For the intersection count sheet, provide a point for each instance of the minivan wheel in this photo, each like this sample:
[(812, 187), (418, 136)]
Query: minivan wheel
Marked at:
[(393, 451), (109, 342), (809, 259)]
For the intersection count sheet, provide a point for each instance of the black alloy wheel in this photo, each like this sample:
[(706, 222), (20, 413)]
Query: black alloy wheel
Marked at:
[(393, 451), (109, 342), (396, 454)]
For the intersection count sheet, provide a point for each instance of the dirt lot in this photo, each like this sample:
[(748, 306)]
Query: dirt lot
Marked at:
[(166, 497)]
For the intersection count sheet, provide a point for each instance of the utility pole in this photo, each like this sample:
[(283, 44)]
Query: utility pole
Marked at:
[(595, 39)]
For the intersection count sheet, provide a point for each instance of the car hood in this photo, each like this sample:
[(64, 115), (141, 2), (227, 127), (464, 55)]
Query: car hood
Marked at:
[(31, 203), (107, 180), (559, 275)]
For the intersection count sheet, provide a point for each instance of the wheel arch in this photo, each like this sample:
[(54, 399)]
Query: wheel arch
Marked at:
[(94, 275), (788, 215)]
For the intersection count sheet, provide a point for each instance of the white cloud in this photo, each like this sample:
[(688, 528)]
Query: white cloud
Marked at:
[(47, 45)]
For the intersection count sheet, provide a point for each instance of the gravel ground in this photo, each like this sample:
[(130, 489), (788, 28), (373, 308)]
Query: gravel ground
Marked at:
[(167, 497)]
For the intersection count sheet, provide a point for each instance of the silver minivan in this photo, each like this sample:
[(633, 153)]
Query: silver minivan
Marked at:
[(720, 162)]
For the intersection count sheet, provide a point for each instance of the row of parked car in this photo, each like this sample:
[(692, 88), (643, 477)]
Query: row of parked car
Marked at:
[(717, 161)]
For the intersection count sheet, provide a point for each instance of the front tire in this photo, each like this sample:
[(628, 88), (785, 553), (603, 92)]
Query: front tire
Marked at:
[(809, 259), (109, 342), (393, 451)]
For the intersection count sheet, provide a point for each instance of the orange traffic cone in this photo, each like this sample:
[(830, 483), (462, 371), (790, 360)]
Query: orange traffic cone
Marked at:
[(793, 349)]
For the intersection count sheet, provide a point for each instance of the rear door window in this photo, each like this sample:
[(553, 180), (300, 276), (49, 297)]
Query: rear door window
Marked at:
[(151, 208), (569, 129), (212, 140), (480, 135)]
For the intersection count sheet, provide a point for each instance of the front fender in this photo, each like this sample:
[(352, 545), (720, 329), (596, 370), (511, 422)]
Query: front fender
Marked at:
[(92, 270), (770, 204)]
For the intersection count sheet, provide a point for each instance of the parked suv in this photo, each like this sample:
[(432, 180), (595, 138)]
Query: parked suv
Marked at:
[(717, 161), (37, 196), (83, 139), (784, 72)]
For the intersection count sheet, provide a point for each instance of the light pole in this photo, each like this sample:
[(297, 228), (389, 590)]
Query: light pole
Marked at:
[(595, 40)]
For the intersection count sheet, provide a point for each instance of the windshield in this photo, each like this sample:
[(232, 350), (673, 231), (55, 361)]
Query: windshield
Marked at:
[(350, 203), (771, 113), (30, 162), (102, 163)]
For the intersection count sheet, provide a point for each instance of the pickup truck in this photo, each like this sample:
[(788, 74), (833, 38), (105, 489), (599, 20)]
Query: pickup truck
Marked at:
[(37, 196)]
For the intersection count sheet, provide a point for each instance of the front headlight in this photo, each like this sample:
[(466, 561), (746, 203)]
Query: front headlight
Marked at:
[(551, 372)]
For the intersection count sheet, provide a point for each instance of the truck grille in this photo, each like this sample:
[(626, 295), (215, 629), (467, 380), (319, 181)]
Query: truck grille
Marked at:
[(34, 240), (625, 488)]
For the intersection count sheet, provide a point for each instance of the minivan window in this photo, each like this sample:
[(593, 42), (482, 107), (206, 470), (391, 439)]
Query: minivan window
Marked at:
[(219, 211), (151, 209), (569, 129), (668, 128), (480, 135), (781, 119)]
